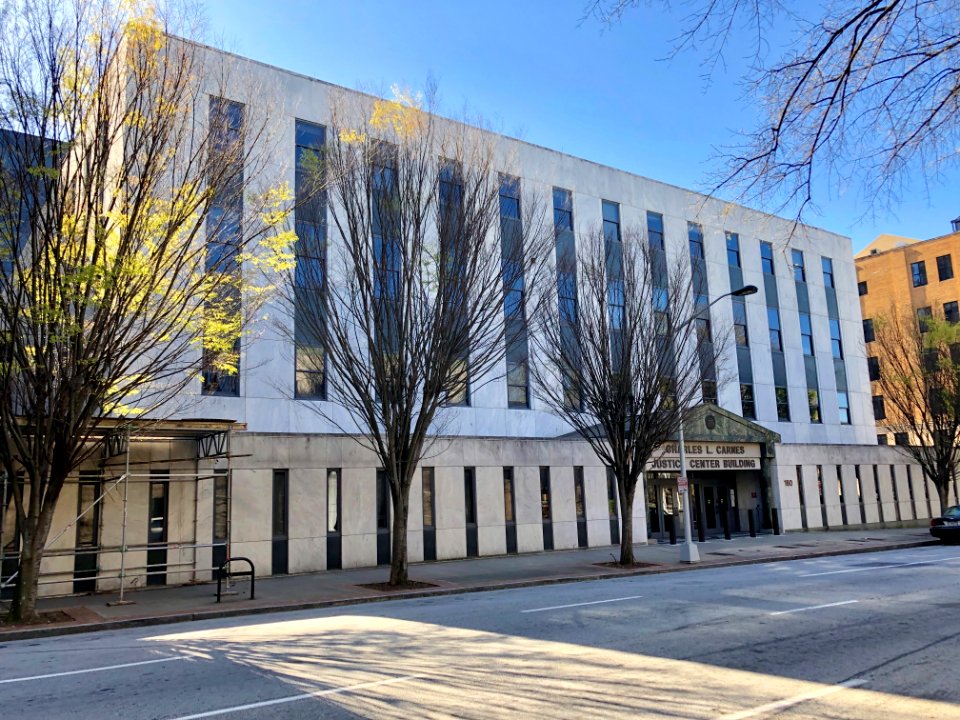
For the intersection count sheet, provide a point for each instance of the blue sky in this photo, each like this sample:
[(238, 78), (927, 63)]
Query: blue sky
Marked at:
[(536, 72)]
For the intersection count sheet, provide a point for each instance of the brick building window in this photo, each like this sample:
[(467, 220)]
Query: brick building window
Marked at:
[(918, 271)]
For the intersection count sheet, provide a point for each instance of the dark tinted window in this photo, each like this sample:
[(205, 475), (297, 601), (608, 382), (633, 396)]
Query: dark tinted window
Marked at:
[(879, 411), (746, 401), (944, 267), (545, 493), (783, 404), (806, 334), (836, 342), (827, 264), (951, 312), (813, 400), (868, 334), (873, 367), (733, 249), (918, 271), (799, 271), (655, 230), (766, 257), (862, 288), (773, 320), (695, 238)]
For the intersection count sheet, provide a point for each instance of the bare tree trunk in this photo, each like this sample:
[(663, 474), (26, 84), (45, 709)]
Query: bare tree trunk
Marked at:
[(626, 523), (24, 607), (943, 491), (398, 554)]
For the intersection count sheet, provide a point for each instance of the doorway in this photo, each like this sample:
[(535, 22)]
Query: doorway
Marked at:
[(661, 489), (159, 506), (86, 559)]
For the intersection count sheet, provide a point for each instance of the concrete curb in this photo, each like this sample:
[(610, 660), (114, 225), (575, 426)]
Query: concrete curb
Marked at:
[(34, 633)]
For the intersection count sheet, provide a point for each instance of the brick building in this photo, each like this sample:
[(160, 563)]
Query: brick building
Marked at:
[(896, 272)]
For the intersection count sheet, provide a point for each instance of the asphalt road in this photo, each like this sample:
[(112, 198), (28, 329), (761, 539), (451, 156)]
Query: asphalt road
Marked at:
[(871, 636)]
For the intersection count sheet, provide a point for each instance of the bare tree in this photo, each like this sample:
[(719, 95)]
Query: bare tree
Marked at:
[(130, 230), (406, 320), (919, 381), (619, 359), (867, 97)]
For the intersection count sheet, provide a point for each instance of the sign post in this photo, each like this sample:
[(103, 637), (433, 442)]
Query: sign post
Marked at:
[(688, 551)]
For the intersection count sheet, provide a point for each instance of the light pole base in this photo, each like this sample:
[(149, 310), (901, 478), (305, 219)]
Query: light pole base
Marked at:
[(689, 553)]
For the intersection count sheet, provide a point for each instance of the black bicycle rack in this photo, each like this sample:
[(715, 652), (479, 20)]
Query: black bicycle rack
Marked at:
[(242, 573)]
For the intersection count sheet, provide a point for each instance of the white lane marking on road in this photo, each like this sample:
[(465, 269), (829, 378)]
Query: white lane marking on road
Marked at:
[(814, 607), (302, 696), (795, 700), (881, 567), (581, 604), (92, 670)]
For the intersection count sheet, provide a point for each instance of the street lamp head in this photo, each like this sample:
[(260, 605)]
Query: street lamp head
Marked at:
[(745, 290)]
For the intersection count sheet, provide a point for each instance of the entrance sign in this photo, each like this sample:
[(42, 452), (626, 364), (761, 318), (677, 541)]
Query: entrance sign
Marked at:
[(707, 456)]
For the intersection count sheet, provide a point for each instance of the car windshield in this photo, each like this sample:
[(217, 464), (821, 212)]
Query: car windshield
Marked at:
[(953, 512)]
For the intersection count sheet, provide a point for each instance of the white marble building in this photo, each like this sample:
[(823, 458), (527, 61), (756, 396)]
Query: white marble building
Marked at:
[(294, 495)]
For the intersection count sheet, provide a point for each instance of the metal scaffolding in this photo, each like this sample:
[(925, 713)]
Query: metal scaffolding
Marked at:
[(212, 442)]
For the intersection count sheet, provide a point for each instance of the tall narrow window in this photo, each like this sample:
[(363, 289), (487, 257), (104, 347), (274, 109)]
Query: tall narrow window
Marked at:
[(836, 341), (616, 298), (310, 274), (923, 317), (873, 368), (224, 228), (514, 294), (740, 334), (766, 258), (453, 258), (509, 506), (695, 240), (470, 496), (806, 334), (221, 516), (655, 230), (862, 288), (747, 402), (566, 259), (843, 403), (776, 336), (509, 510), (428, 501), (783, 404), (868, 332), (280, 503), (383, 501), (545, 508), (578, 500), (813, 399), (799, 270), (733, 249), (333, 501), (828, 279)]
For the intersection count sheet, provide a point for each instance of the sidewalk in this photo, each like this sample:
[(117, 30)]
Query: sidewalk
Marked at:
[(343, 587)]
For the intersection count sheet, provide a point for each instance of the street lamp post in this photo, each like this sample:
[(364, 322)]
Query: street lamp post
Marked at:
[(688, 551)]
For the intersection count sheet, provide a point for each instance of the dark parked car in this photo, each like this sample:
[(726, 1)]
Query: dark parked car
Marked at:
[(947, 526)]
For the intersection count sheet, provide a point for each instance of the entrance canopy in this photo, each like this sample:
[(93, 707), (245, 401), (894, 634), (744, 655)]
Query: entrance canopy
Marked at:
[(716, 439)]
